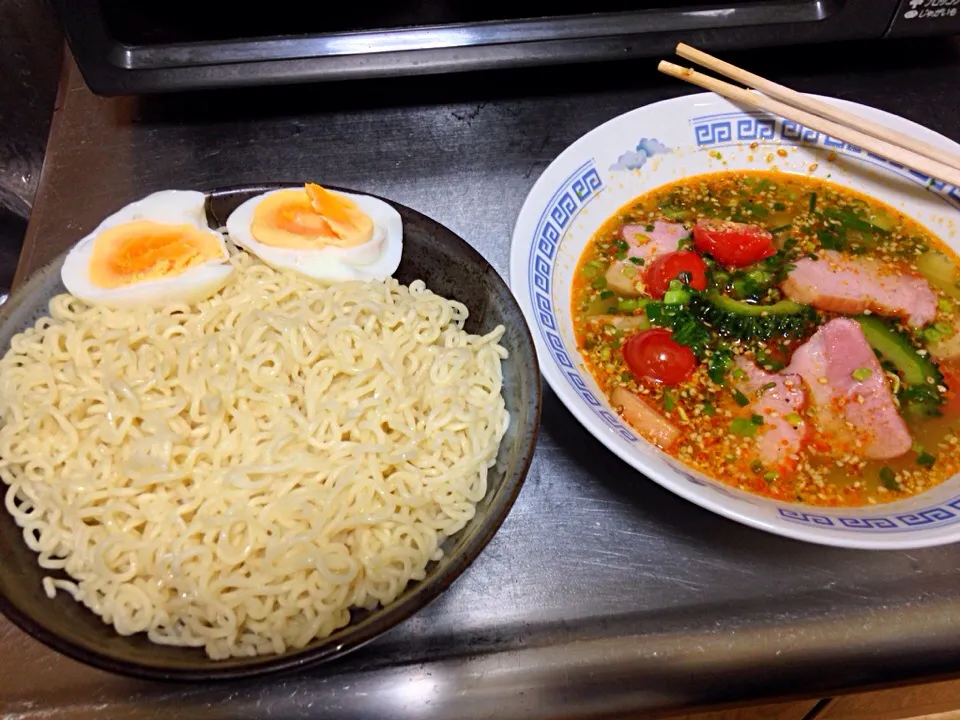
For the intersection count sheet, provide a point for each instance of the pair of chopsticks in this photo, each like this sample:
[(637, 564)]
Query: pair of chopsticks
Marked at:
[(816, 115)]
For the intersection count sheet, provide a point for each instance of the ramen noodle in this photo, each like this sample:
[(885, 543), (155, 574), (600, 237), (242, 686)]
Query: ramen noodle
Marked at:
[(238, 474)]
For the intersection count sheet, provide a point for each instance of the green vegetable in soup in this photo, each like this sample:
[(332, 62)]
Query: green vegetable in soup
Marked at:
[(851, 221), (883, 220), (748, 321), (888, 479), (896, 347), (940, 271), (921, 379), (687, 328)]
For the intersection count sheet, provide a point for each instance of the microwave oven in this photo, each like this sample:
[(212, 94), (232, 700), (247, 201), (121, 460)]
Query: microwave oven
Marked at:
[(132, 47)]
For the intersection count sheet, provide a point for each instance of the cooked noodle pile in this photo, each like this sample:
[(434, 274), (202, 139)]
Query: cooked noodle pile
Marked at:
[(236, 475)]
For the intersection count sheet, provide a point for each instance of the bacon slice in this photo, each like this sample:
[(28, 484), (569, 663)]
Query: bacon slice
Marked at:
[(775, 397), (853, 285), (663, 238), (645, 420), (861, 413)]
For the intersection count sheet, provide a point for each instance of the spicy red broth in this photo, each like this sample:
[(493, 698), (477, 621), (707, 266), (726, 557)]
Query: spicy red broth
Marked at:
[(783, 334)]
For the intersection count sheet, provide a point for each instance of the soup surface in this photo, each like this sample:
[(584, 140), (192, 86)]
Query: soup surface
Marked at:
[(782, 334)]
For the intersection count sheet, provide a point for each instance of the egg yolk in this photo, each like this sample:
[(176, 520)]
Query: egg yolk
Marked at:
[(147, 250), (310, 219)]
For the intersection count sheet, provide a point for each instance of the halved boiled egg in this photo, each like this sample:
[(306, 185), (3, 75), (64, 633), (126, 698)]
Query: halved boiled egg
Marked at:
[(323, 234), (153, 252)]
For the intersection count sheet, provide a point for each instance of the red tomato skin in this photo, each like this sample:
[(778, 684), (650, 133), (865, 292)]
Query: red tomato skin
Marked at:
[(733, 244), (654, 355), (669, 266), (951, 381)]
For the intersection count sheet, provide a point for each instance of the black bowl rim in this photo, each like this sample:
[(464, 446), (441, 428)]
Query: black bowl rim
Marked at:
[(385, 618)]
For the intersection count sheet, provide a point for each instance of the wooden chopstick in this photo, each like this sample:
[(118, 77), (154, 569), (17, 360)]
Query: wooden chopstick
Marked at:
[(860, 139), (818, 107)]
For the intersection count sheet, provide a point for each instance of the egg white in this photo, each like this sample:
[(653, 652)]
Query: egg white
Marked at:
[(376, 259), (193, 284)]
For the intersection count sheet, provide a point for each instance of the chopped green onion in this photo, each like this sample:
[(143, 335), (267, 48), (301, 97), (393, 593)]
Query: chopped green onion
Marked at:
[(676, 297), (770, 475), (718, 364), (888, 479), (590, 271), (861, 374), (756, 419), (763, 388), (674, 213), (945, 305), (649, 227), (605, 353), (768, 361), (850, 221), (931, 335), (744, 427), (606, 294), (708, 409), (926, 460), (756, 210), (600, 283), (739, 374), (740, 398), (813, 202), (627, 305), (636, 260), (669, 400), (626, 377), (756, 466), (781, 228), (793, 418)]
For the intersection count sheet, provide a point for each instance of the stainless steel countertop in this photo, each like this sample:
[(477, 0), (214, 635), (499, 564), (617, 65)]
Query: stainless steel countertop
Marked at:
[(603, 594)]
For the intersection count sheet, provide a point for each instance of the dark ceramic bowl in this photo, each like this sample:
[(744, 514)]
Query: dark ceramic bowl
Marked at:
[(450, 267)]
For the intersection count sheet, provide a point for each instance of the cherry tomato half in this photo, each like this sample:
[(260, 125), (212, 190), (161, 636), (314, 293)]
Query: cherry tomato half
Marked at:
[(653, 354), (733, 244), (668, 267)]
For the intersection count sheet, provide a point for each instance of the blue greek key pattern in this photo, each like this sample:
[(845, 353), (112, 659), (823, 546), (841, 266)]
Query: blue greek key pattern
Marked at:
[(805, 517), (946, 514), (582, 186), (726, 128)]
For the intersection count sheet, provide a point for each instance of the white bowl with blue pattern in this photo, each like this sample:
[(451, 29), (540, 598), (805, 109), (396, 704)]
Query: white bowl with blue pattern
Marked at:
[(662, 143)]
